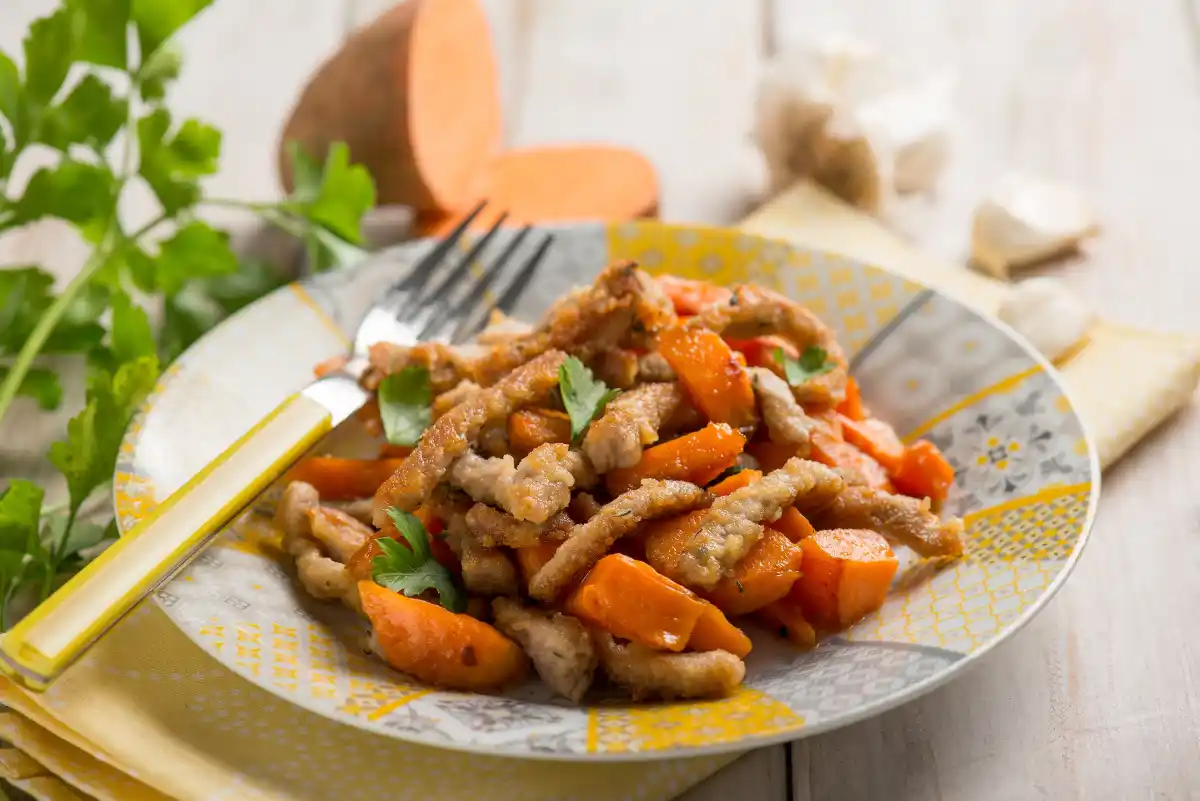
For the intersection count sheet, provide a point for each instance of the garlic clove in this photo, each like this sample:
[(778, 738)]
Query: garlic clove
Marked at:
[(1048, 314), (1027, 220)]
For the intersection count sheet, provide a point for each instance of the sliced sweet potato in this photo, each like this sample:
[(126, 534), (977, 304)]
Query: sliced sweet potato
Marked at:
[(847, 573), (764, 575), (770, 455), (629, 599), (341, 479), (924, 472), (714, 632), (787, 619), (852, 405), (740, 479), (714, 379), (698, 457), (793, 525), (529, 428), (439, 647), (531, 559), (876, 439), (689, 296), (838, 453), (667, 539)]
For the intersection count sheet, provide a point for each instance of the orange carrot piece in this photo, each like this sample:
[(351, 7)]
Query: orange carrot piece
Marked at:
[(690, 296), (667, 539), (876, 439), (559, 183), (717, 383), (847, 574), (793, 525), (852, 405), (340, 479), (533, 558), (439, 647), (414, 95), (924, 472), (837, 453), (529, 428), (787, 619), (830, 422), (629, 599), (698, 457), (764, 575), (743, 478), (760, 351), (770, 455), (714, 632)]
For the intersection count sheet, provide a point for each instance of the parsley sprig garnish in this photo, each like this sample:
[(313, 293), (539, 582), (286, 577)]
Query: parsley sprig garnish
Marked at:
[(584, 396), (814, 361), (405, 404), (412, 570)]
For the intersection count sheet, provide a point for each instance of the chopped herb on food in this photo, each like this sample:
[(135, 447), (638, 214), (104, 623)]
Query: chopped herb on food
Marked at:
[(412, 570), (813, 362), (405, 405), (584, 395)]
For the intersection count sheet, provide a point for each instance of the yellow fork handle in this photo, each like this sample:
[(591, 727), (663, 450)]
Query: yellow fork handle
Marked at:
[(59, 631)]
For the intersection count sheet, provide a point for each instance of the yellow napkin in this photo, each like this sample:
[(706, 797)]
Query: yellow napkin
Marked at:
[(147, 716)]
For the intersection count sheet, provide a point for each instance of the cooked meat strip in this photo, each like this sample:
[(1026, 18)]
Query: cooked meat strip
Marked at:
[(321, 577), (586, 322), (534, 489), (786, 420), (463, 391), (731, 526), (339, 533), (360, 509), (559, 646), (452, 434), (583, 507), (447, 367), (291, 513), (630, 422), (501, 328), (649, 674), (591, 540), (753, 311), (491, 527), (902, 520), (616, 367), (485, 571), (653, 367)]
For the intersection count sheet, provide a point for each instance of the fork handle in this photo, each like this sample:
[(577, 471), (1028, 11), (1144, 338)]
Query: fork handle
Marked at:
[(60, 630)]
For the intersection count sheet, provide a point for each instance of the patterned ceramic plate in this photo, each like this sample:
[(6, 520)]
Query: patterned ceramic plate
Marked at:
[(1026, 484)]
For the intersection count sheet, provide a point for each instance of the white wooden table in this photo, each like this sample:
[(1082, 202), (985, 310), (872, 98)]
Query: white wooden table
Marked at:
[(1098, 698)]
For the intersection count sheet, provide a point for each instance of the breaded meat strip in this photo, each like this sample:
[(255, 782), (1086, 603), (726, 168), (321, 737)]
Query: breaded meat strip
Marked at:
[(462, 392), (630, 422), (321, 577), (491, 527), (447, 367), (900, 519), (485, 571), (786, 420), (559, 646), (339, 533), (533, 490), (649, 674), (731, 526), (452, 434), (753, 311), (591, 540)]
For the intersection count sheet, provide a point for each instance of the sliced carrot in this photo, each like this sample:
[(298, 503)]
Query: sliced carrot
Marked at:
[(340, 479), (837, 453), (714, 632), (924, 472), (742, 478), (847, 574), (764, 575), (787, 619), (529, 428), (439, 647), (793, 525), (533, 558), (666, 540), (852, 405), (875, 438), (770, 455), (629, 599), (415, 96), (390, 451), (760, 351), (558, 184), (717, 383), (830, 422), (698, 457), (690, 296)]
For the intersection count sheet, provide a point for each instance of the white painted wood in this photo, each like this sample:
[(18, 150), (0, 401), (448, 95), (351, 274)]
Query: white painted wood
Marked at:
[(759, 776)]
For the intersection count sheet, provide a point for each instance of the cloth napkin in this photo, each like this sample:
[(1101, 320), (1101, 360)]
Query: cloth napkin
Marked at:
[(148, 717)]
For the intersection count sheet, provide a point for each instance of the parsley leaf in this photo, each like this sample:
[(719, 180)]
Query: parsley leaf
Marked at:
[(20, 510), (89, 115), (161, 68), (49, 47), (41, 385), (72, 190), (335, 196), (405, 400), (413, 570), (584, 395), (132, 338), (10, 90), (100, 31), (25, 294), (157, 20), (173, 162), (813, 362), (194, 251)]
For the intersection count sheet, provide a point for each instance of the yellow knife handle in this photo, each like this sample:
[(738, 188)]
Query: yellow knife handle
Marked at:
[(60, 630)]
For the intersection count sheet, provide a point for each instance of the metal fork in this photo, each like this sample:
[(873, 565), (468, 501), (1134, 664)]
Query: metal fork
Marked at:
[(432, 301)]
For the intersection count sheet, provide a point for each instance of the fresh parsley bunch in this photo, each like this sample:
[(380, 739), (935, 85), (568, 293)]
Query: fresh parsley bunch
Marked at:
[(91, 88)]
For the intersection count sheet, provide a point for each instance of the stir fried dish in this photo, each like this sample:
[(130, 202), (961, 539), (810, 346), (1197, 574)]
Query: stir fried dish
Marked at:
[(613, 494)]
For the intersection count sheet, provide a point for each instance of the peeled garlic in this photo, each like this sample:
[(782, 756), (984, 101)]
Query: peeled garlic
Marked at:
[(1053, 318), (863, 126), (1028, 220)]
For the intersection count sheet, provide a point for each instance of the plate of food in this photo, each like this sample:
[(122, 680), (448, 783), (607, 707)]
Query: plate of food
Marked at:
[(702, 492)]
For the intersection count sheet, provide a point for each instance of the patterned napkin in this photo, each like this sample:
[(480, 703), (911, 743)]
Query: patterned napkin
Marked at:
[(149, 717)]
